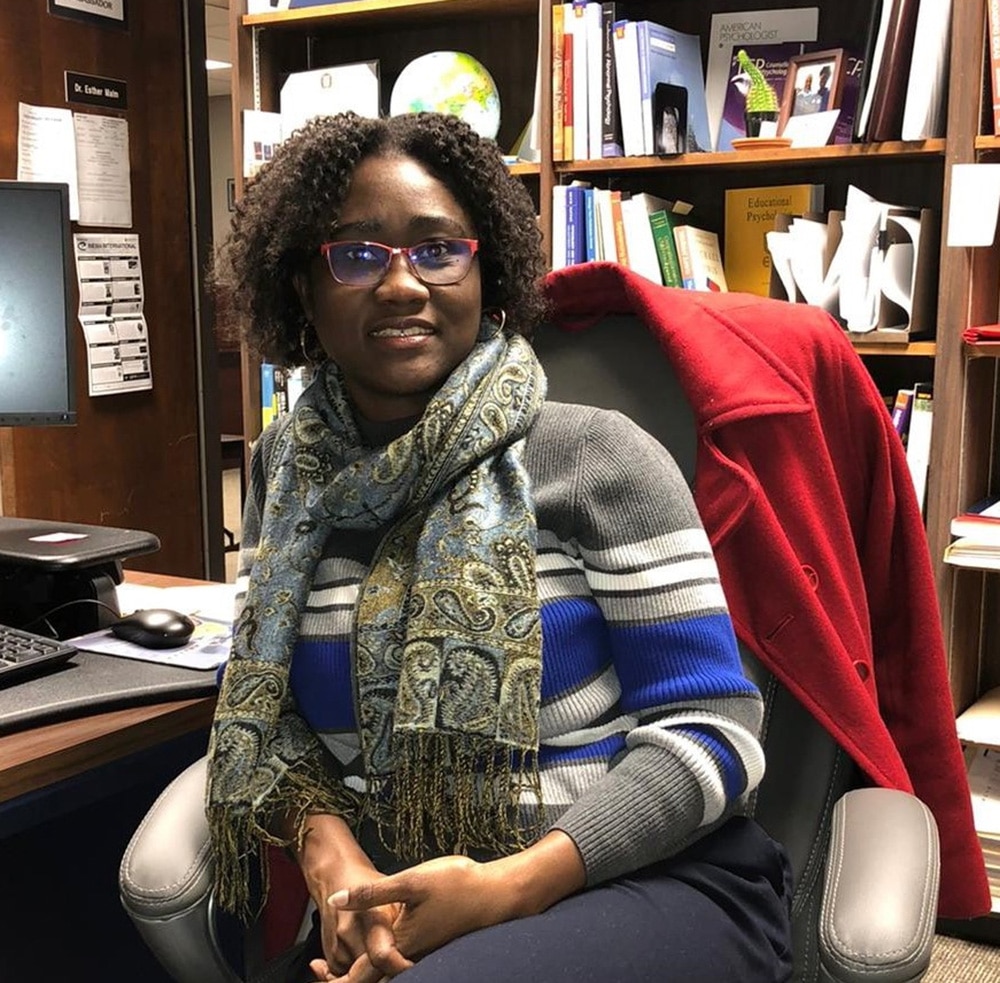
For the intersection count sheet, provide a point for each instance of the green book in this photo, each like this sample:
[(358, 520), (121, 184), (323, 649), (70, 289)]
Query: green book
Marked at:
[(662, 224)]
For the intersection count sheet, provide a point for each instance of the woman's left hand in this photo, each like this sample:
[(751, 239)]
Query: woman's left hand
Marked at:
[(441, 900), (448, 897)]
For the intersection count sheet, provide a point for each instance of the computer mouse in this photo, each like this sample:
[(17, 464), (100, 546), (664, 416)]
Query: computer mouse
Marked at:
[(154, 628)]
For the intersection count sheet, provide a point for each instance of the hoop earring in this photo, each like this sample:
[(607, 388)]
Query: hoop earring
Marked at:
[(498, 316), (303, 344)]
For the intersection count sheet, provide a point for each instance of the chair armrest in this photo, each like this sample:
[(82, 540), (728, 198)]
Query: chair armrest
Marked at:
[(881, 890), (165, 883)]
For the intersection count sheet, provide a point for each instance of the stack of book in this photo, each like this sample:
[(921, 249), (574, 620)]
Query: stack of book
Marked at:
[(648, 234), (978, 536), (624, 87)]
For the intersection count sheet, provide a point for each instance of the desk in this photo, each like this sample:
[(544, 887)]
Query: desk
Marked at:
[(37, 757), (71, 794)]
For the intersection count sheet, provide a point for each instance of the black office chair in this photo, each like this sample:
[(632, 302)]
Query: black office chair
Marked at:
[(865, 859)]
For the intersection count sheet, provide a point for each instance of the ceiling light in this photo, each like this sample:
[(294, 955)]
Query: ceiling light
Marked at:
[(212, 65)]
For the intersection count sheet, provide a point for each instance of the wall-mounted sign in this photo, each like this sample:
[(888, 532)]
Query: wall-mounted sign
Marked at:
[(113, 12), (96, 90)]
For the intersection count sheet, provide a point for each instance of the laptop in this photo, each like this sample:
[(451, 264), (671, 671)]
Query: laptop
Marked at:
[(44, 544)]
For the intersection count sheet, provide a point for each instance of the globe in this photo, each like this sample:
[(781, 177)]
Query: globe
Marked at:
[(449, 82)]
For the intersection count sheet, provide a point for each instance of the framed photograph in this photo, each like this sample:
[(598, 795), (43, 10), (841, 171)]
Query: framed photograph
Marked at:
[(814, 84)]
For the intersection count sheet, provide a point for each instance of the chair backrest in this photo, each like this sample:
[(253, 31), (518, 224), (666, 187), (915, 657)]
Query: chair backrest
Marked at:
[(617, 364)]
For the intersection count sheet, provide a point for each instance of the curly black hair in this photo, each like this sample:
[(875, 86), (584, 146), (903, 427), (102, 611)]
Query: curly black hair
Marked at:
[(290, 207)]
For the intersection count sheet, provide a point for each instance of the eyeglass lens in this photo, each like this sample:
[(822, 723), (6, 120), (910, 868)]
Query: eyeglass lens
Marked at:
[(439, 262)]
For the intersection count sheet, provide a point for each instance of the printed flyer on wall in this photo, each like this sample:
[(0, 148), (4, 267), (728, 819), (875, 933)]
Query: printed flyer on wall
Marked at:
[(109, 274)]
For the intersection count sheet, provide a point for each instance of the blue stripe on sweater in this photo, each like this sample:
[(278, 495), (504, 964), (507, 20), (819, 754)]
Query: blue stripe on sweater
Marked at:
[(678, 661), (321, 684), (734, 776), (576, 645)]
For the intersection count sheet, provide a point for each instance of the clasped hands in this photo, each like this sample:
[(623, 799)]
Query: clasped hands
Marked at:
[(376, 929)]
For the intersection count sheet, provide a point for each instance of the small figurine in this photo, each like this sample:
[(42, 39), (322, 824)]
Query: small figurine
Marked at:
[(761, 101)]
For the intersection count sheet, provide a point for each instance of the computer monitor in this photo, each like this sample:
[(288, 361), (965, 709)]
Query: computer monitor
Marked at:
[(37, 323)]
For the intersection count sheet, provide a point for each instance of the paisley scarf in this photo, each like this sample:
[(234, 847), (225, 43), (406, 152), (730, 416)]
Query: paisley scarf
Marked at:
[(446, 635)]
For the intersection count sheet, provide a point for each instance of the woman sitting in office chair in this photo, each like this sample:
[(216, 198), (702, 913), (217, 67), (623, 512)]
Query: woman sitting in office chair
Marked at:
[(484, 682)]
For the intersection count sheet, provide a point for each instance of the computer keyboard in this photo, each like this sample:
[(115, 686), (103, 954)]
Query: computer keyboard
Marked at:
[(22, 653)]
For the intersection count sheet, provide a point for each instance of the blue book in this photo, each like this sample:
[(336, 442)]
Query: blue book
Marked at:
[(589, 226), (672, 84), (576, 231)]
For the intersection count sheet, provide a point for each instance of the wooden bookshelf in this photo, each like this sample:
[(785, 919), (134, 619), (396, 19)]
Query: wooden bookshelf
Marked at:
[(509, 37)]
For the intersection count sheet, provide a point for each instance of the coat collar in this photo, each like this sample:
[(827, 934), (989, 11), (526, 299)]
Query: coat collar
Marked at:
[(727, 370)]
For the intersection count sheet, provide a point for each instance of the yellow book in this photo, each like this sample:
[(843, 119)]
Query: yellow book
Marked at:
[(750, 214), (558, 147)]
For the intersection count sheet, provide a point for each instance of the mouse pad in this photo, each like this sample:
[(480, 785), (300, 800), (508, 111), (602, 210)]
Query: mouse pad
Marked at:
[(208, 647), (91, 683)]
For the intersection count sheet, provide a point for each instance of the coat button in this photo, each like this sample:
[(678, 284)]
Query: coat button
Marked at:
[(811, 576), (861, 668)]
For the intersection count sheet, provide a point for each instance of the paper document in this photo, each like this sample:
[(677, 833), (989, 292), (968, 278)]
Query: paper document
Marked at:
[(109, 274), (46, 149)]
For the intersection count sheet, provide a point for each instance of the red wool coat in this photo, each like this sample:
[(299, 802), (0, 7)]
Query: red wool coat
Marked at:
[(836, 529)]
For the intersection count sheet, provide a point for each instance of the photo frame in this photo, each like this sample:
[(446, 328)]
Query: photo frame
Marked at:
[(814, 84)]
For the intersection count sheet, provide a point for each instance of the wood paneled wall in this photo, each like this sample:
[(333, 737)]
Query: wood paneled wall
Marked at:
[(133, 459)]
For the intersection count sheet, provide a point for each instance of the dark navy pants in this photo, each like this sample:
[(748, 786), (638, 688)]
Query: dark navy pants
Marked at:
[(716, 913)]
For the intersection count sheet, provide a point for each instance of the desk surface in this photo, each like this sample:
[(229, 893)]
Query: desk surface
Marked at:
[(34, 758)]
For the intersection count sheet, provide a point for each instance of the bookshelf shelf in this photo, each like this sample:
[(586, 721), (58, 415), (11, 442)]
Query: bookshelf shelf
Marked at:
[(749, 159), (924, 349), (359, 11)]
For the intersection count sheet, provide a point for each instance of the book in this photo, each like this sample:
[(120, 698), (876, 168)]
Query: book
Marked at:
[(902, 406), (621, 246), (918, 444), (594, 26), (663, 222), (605, 224), (980, 521), (749, 216), (969, 552), (626, 52), (993, 55), (575, 26), (926, 91), (569, 103), (590, 252), (576, 230), (772, 61), (674, 114), (611, 123), (732, 29), (559, 197), (700, 259), (980, 723), (558, 95), (642, 256), (885, 120)]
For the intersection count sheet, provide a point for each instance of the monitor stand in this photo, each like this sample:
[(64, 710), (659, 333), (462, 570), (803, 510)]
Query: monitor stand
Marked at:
[(62, 603)]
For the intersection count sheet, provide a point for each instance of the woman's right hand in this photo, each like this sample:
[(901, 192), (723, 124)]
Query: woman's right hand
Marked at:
[(349, 935), (330, 859)]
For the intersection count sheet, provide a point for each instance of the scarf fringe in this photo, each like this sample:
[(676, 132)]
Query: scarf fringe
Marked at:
[(238, 835), (456, 795)]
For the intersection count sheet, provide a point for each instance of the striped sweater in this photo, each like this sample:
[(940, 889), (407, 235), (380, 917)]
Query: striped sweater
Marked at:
[(648, 727)]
